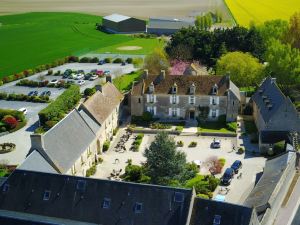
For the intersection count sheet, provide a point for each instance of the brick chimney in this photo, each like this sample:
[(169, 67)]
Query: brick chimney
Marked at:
[(37, 142), (108, 79), (98, 87)]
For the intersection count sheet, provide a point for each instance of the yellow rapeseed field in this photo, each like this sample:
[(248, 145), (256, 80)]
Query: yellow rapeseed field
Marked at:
[(258, 11)]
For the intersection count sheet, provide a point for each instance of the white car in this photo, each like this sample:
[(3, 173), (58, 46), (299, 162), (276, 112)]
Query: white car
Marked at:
[(79, 76), (80, 82), (216, 144), (23, 110), (55, 81), (94, 77)]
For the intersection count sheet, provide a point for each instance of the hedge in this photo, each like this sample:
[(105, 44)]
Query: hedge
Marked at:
[(56, 110), (22, 97)]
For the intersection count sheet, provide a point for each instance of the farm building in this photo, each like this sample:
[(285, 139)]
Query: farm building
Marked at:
[(168, 26), (117, 23)]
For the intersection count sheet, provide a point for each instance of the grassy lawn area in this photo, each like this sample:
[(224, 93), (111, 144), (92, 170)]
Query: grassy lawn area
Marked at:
[(245, 11), (213, 127), (32, 39), (124, 82)]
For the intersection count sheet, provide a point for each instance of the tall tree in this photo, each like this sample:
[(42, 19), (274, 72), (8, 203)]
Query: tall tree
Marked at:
[(164, 162), (157, 61), (293, 34), (244, 69)]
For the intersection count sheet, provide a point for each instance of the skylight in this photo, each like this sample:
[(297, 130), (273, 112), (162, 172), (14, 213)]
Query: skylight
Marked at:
[(106, 203), (138, 207), (81, 184), (217, 220), (178, 197), (47, 194)]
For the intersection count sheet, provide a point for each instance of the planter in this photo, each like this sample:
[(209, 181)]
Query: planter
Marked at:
[(7, 147)]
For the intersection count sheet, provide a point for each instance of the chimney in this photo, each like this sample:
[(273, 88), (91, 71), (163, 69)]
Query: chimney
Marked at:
[(162, 74), (273, 80), (108, 79), (146, 73), (37, 142), (98, 87)]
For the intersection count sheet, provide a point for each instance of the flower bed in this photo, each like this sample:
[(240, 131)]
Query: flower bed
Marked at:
[(7, 147), (11, 120), (137, 143)]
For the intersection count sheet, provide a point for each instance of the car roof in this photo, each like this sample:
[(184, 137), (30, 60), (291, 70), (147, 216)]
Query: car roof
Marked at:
[(236, 161), (228, 170)]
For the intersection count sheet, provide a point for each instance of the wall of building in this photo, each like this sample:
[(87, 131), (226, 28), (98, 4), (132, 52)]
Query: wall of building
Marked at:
[(136, 105), (130, 25), (233, 107)]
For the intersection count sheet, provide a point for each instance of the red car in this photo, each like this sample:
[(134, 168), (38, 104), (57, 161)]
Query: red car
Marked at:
[(99, 72)]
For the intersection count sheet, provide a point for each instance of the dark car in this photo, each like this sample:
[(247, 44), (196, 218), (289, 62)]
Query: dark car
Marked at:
[(35, 93), (87, 76), (227, 176), (43, 93), (101, 62), (123, 64), (31, 93), (48, 93), (236, 166)]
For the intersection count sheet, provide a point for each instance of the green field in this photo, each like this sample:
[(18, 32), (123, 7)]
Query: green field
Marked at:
[(258, 11), (124, 82), (32, 39)]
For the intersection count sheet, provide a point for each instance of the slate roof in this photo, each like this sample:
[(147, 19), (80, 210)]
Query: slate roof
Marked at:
[(82, 199), (263, 190), (268, 90), (235, 90), (170, 23), (101, 104), (67, 140), (36, 162), (203, 84), (204, 212), (92, 123), (116, 17)]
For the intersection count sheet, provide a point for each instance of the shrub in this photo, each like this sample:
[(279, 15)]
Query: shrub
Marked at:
[(129, 60), (85, 60), (73, 59), (106, 146), (118, 60), (241, 151), (222, 161), (91, 171), (192, 144), (139, 136), (107, 60), (10, 121), (203, 196), (39, 130), (89, 91), (137, 62), (160, 126), (232, 126), (2, 129), (180, 143), (179, 128), (94, 60), (279, 147), (3, 95), (115, 131), (50, 72)]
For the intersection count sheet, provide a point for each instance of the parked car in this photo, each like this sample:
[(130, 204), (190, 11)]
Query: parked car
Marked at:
[(106, 72), (80, 71), (93, 77), (79, 76), (123, 64), (216, 144), (99, 72), (43, 93), (35, 93), (55, 81), (70, 81), (30, 93), (80, 82), (23, 110), (101, 62), (227, 176), (87, 76), (236, 166), (93, 71)]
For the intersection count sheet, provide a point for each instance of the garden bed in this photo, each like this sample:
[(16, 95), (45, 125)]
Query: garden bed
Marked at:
[(7, 147)]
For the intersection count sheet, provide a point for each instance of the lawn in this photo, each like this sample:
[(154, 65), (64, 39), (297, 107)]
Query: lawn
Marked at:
[(124, 82), (245, 11), (213, 127), (32, 39)]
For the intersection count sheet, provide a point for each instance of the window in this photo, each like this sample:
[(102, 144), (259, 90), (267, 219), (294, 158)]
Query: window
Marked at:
[(138, 207), (192, 89), (178, 197), (214, 101), (151, 88), (174, 99), (214, 113), (5, 188), (139, 100), (106, 203), (151, 98), (192, 99), (215, 89), (217, 220), (150, 109), (174, 112), (174, 89), (81, 185), (47, 194)]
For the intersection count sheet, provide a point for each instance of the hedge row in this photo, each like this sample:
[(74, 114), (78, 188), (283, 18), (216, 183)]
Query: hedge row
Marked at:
[(45, 83), (56, 110), (22, 97), (40, 68)]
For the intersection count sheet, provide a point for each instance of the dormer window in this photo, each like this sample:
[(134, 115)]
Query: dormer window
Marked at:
[(215, 89), (151, 88), (138, 207), (46, 196), (174, 88), (192, 89)]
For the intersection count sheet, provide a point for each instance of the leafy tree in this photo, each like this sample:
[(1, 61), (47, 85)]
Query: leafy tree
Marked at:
[(164, 162), (157, 61), (244, 69), (274, 29), (293, 34)]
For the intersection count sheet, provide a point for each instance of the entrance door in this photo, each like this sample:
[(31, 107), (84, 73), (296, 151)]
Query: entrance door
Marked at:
[(192, 115)]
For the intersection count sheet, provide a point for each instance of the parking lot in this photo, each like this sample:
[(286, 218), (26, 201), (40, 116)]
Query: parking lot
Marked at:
[(239, 188)]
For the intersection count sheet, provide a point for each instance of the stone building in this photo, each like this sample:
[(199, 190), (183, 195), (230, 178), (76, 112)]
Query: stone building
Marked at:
[(274, 114), (176, 97)]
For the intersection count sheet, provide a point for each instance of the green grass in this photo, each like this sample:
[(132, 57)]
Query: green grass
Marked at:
[(124, 82), (32, 39), (213, 127), (245, 11)]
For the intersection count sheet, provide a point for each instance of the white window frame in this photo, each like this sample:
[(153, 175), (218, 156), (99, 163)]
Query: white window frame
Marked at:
[(174, 112), (192, 99), (174, 99), (151, 98), (214, 113)]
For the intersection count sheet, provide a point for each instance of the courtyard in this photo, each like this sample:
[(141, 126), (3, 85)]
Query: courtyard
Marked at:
[(114, 160)]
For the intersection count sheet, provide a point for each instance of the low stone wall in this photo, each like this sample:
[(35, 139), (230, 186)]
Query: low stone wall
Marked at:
[(155, 131), (218, 134)]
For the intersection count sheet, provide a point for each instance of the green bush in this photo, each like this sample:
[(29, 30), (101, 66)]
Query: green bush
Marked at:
[(89, 91), (241, 151), (179, 128), (192, 144), (63, 104), (50, 72), (160, 126), (203, 196), (129, 60), (94, 60), (279, 147), (91, 171), (85, 60), (232, 126), (222, 161), (106, 146), (115, 131), (139, 136), (180, 143), (107, 60), (118, 60)]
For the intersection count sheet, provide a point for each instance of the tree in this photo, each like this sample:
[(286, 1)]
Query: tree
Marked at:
[(244, 69), (157, 61), (164, 163), (293, 34), (181, 52), (274, 29)]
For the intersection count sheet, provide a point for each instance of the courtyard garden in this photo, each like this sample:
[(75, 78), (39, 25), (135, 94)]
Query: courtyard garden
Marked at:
[(11, 120)]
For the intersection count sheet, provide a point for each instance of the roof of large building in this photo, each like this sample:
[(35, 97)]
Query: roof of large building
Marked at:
[(206, 212), (263, 190), (94, 201), (36, 162), (170, 23), (203, 84), (116, 17), (66, 141), (269, 94), (101, 104)]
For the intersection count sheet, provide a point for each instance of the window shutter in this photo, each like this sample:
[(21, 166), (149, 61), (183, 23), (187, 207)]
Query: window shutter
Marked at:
[(210, 113), (218, 100), (210, 100), (217, 113), (155, 98), (178, 112), (171, 99), (147, 98), (148, 108), (170, 111), (190, 100), (154, 110), (177, 99)]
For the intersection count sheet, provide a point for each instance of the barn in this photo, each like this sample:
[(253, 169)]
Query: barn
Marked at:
[(117, 23)]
